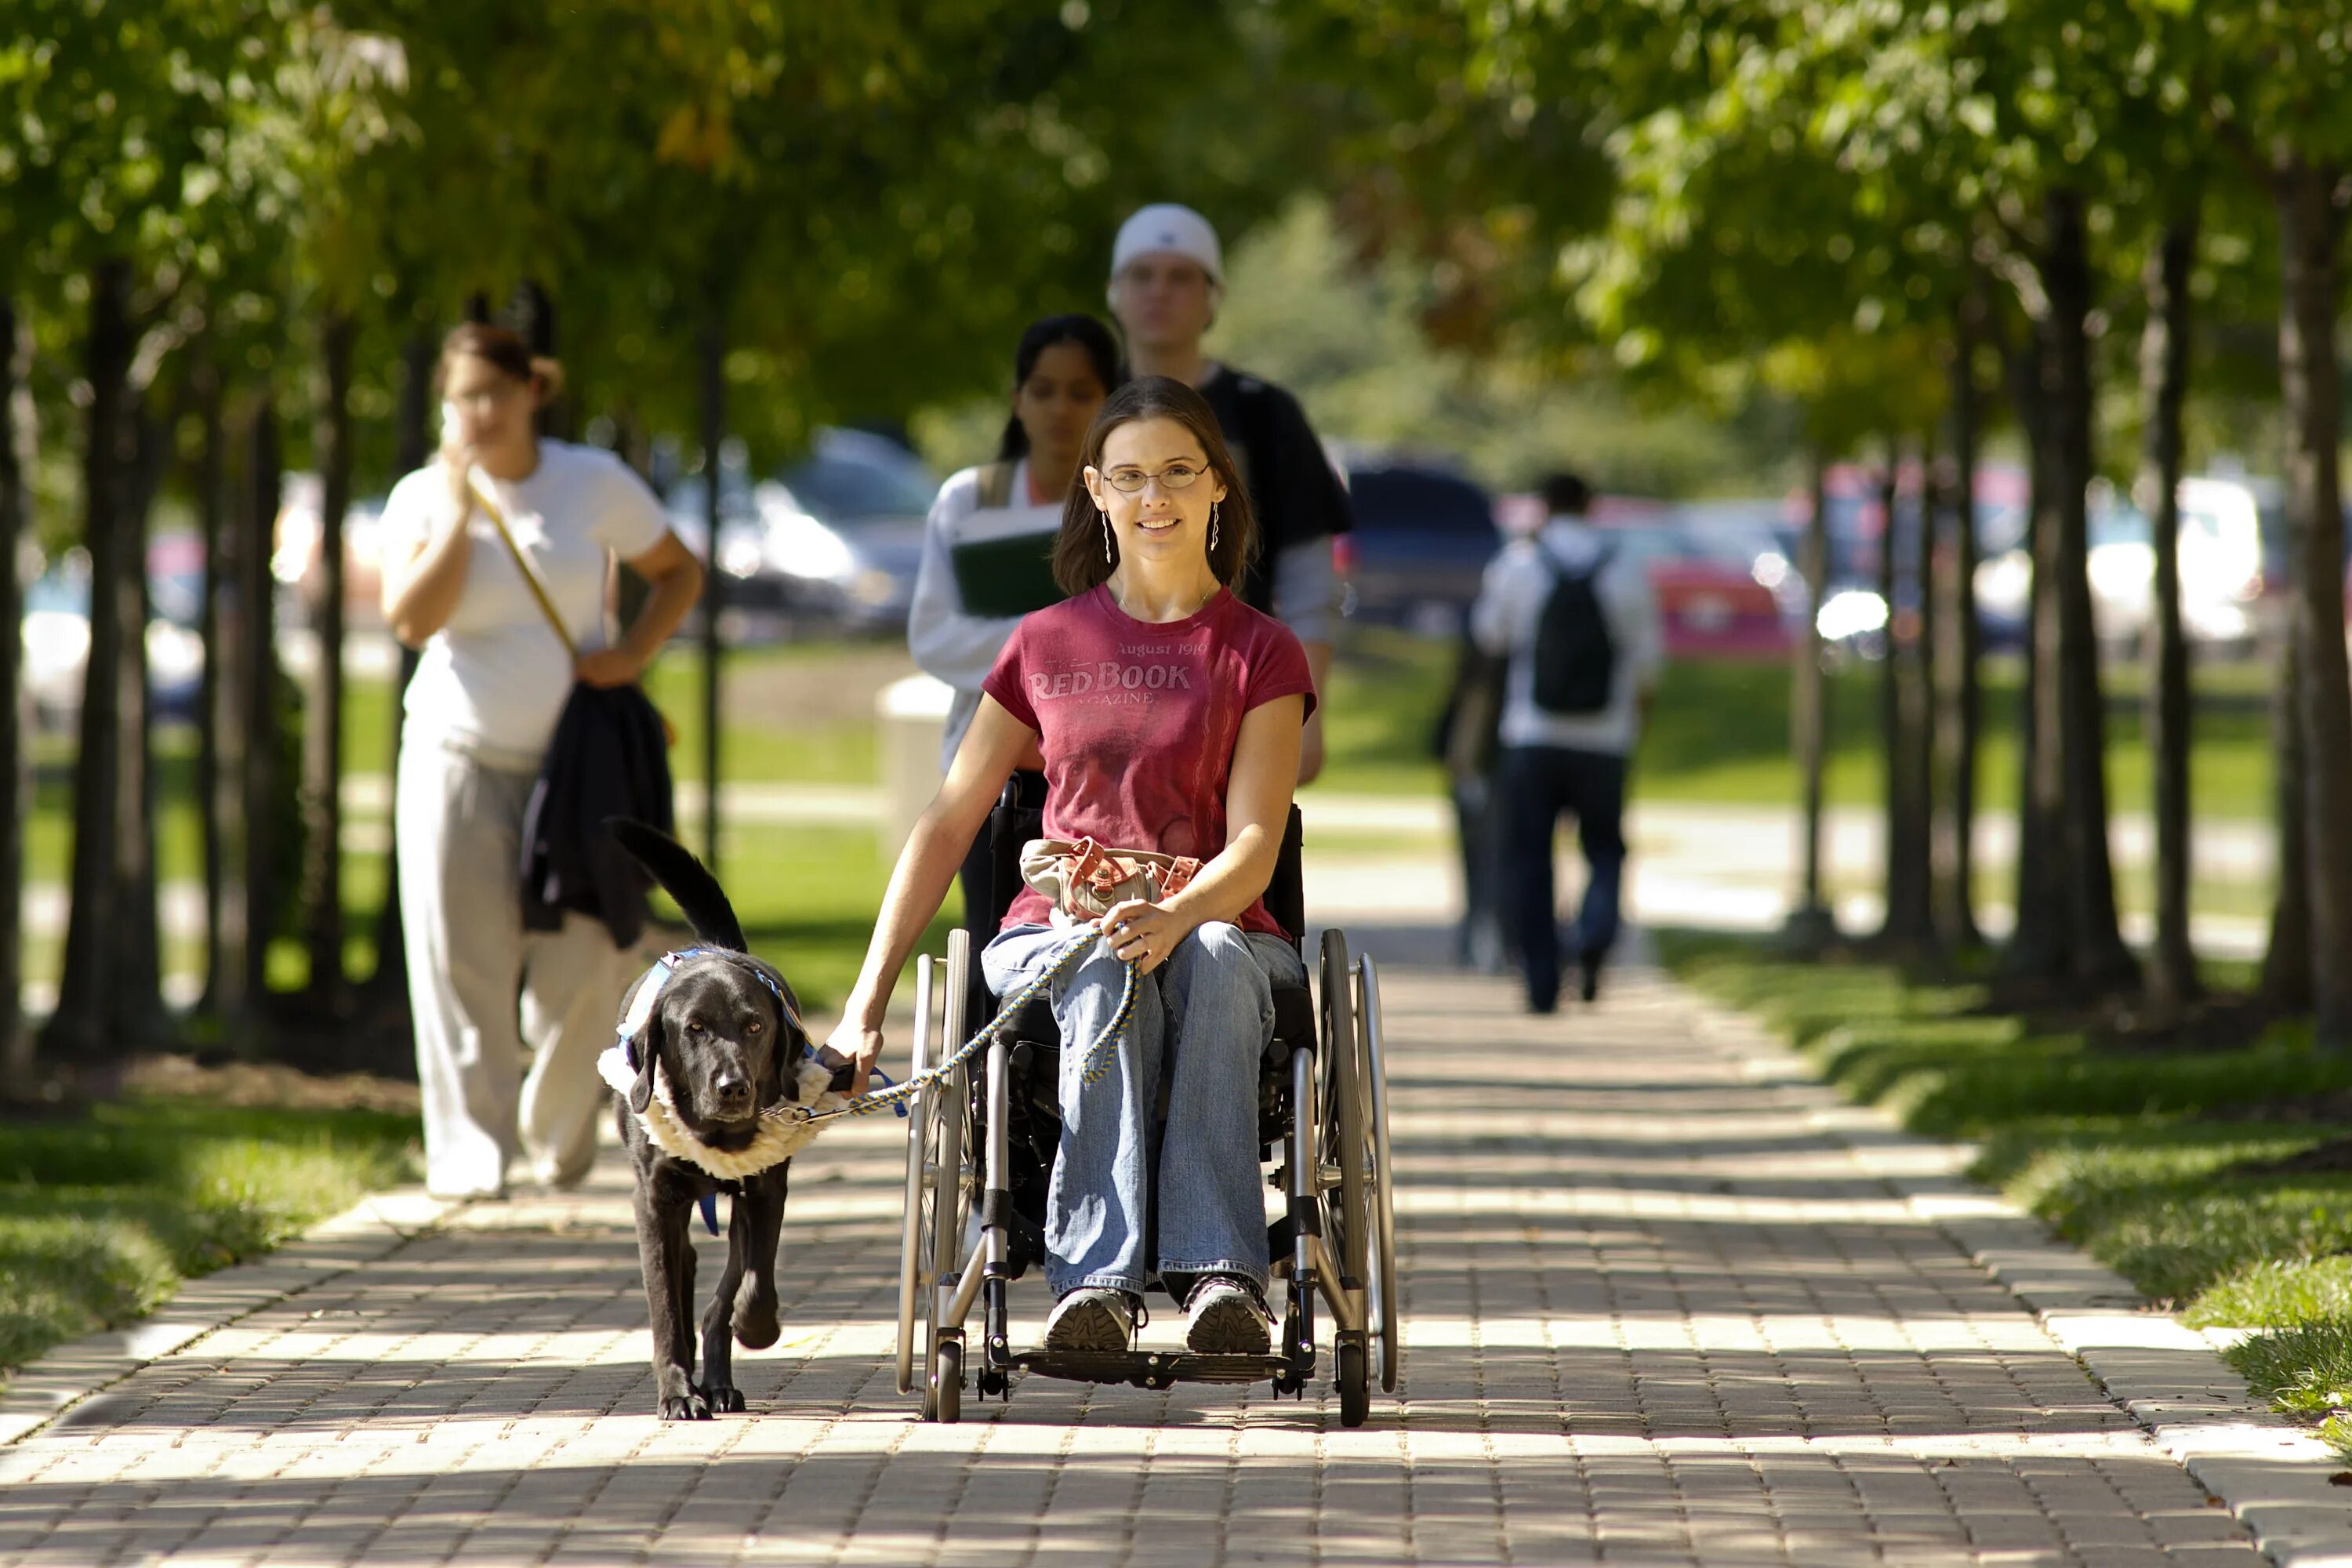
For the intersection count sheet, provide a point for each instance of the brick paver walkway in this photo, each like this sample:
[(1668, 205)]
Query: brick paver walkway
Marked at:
[(1653, 1317)]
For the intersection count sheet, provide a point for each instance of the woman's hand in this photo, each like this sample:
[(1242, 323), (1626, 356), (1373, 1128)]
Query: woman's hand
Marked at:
[(854, 1044), (1144, 933), (457, 470), (609, 666)]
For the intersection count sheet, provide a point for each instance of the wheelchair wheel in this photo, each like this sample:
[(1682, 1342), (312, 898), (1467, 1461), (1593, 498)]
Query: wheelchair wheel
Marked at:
[(1340, 1141), (946, 1401), (1383, 1309), (914, 1249), (1348, 1377), (949, 1109)]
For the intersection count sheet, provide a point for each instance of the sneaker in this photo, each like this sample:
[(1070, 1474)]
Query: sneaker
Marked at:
[(1225, 1317), (1091, 1319)]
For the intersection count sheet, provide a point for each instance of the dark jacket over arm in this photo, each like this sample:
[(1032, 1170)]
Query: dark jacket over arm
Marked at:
[(609, 758)]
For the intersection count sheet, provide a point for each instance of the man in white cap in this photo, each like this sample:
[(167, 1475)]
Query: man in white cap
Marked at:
[(1167, 276)]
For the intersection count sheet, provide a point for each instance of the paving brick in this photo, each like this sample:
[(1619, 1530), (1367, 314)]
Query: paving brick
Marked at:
[(1657, 1313)]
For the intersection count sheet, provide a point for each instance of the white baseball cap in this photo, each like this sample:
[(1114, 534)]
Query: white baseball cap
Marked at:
[(1174, 230)]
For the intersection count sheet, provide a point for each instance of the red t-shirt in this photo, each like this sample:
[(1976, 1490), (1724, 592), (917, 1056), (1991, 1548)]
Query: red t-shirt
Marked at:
[(1137, 720)]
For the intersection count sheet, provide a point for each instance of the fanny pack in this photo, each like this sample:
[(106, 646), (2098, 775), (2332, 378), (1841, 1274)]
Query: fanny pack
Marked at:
[(1082, 879)]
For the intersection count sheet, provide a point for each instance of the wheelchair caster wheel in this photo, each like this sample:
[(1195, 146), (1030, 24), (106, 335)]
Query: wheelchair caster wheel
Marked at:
[(947, 1383), (995, 1386), (1350, 1377)]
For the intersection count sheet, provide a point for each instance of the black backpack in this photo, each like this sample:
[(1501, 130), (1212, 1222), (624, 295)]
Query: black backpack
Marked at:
[(1575, 658)]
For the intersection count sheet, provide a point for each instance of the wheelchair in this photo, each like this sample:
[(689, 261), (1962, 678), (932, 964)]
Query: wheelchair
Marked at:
[(980, 1147)]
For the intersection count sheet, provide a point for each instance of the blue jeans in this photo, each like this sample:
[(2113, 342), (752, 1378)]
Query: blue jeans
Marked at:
[(1201, 1019), (1539, 785)]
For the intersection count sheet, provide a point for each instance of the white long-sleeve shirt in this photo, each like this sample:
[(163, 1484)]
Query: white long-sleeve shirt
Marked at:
[(949, 643), (1519, 581)]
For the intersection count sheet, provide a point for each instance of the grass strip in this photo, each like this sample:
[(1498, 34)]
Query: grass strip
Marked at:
[(104, 1212)]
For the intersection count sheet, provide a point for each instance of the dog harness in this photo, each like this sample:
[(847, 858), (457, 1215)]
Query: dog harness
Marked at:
[(782, 1129)]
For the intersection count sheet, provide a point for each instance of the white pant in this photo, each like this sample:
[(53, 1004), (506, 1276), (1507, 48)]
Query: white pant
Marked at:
[(484, 990)]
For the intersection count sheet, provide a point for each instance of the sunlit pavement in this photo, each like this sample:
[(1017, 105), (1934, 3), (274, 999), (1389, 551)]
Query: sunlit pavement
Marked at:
[(1654, 1314)]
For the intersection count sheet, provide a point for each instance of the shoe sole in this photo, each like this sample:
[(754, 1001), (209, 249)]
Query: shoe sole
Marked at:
[(1228, 1326), (1089, 1326)]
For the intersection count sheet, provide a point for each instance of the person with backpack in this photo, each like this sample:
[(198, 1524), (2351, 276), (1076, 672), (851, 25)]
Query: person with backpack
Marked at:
[(1578, 624), (1167, 278), (988, 543)]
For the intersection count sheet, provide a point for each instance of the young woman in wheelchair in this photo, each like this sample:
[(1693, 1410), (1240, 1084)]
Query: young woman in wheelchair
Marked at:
[(1168, 714)]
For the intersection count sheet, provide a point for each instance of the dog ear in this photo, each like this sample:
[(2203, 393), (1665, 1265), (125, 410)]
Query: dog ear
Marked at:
[(644, 1053)]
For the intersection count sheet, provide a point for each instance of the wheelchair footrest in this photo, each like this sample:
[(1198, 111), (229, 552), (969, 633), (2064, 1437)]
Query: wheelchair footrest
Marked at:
[(1151, 1369)]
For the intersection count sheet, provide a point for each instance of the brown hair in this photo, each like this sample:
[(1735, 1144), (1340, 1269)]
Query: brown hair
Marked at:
[(507, 352), (1078, 553)]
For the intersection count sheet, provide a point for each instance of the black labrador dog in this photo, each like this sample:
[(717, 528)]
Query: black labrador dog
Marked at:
[(724, 1034)]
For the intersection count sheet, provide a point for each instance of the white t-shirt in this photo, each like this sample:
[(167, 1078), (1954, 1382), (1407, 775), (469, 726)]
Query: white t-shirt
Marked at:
[(495, 676)]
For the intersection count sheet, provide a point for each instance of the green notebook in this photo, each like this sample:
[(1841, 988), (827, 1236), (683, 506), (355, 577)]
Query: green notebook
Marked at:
[(1009, 575)]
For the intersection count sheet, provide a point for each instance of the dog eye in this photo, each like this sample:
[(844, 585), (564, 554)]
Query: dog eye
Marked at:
[(754, 1028)]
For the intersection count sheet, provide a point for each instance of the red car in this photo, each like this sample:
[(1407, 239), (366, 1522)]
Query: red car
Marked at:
[(1725, 587)]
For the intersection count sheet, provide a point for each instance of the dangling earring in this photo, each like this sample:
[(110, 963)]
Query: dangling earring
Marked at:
[(1105, 517), (1212, 528)]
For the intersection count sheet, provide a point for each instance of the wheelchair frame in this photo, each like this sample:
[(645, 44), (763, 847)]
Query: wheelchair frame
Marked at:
[(1336, 1242)]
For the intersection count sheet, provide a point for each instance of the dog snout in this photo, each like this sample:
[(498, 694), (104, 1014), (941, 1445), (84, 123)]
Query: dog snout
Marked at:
[(733, 1090)]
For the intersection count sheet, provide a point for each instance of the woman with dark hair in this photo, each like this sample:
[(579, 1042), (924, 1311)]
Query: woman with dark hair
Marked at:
[(1168, 714), (988, 543), (494, 678)]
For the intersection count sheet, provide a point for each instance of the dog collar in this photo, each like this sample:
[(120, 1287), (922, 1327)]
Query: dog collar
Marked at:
[(657, 978)]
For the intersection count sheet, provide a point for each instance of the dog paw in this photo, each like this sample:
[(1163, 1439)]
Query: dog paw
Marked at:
[(687, 1406), (725, 1401)]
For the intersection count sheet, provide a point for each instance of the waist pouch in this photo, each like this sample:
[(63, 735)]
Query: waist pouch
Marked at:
[(1082, 879)]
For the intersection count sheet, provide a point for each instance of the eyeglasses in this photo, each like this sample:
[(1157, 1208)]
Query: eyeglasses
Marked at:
[(1174, 477)]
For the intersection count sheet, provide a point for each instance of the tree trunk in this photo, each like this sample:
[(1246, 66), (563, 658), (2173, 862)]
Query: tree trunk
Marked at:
[(2287, 962), (2069, 779), (387, 986), (2034, 938), (2164, 385), (211, 504), (256, 702), (108, 996), (714, 435), (532, 311), (1957, 645), (322, 731), (1895, 871), (1911, 920), (2309, 224), (1812, 922), (17, 453)]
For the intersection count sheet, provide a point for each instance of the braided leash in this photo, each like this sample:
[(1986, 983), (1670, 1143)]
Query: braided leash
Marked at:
[(1097, 1057)]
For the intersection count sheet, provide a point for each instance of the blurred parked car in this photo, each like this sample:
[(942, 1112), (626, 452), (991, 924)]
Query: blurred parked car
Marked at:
[(2223, 573), (834, 541), (56, 632), (1722, 579), (1423, 537), (871, 494), (294, 556)]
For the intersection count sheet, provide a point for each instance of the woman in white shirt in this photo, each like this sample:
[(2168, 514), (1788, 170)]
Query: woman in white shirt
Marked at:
[(988, 543), (478, 716)]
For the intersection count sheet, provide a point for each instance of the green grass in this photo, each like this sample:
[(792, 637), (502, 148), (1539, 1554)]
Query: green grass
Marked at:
[(2152, 1160), (806, 897), (1720, 731), (103, 1214)]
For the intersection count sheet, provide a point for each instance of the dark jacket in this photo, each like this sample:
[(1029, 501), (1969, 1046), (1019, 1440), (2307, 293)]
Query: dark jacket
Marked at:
[(610, 758)]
